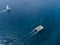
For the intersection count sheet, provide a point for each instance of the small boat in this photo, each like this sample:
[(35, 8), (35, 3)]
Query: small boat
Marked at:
[(8, 8), (39, 28)]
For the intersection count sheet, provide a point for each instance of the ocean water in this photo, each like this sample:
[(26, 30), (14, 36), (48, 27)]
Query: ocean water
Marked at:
[(24, 16)]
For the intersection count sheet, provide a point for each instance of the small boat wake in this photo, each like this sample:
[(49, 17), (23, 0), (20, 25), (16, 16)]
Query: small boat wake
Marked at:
[(6, 10), (14, 40)]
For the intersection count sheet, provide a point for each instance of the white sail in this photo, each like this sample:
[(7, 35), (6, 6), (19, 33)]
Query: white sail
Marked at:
[(8, 8)]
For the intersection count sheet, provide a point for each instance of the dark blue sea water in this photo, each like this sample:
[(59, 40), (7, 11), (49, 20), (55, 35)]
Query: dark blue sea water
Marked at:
[(24, 16)]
